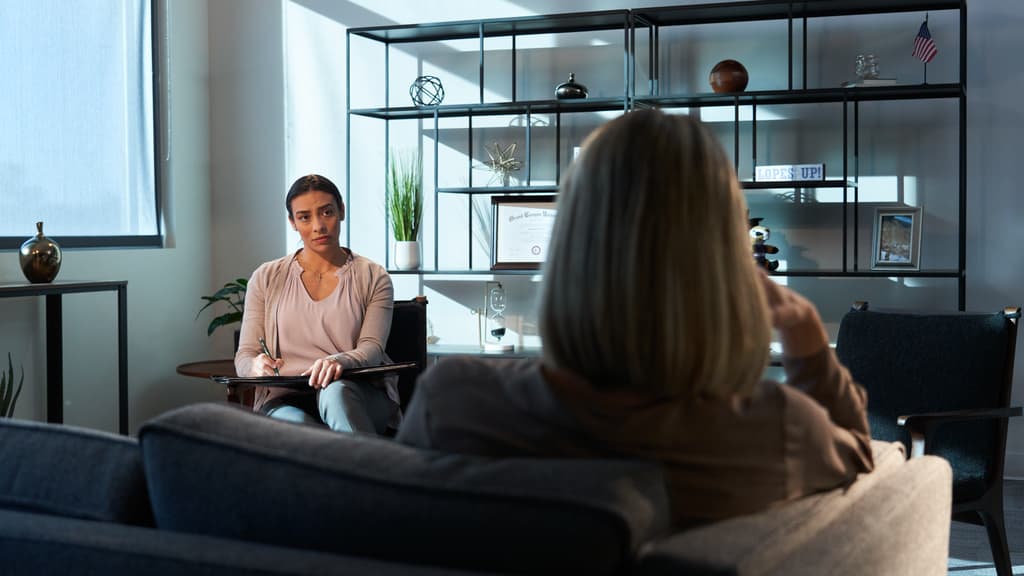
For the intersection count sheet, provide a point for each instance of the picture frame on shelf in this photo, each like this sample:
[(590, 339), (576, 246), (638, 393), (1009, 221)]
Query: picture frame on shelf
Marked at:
[(521, 231), (896, 239)]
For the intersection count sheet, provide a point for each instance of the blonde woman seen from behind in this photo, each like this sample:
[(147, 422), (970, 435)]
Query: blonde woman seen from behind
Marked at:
[(656, 327)]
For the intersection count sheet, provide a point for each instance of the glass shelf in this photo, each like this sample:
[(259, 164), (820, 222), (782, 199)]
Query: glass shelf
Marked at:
[(809, 96), (788, 184), (494, 108), (781, 10), (525, 190), (868, 273), (550, 24)]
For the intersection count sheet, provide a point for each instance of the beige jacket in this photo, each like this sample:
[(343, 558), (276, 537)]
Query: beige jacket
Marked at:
[(372, 300), (722, 458)]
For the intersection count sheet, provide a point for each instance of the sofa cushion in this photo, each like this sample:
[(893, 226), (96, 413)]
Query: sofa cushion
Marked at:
[(68, 471), (218, 470)]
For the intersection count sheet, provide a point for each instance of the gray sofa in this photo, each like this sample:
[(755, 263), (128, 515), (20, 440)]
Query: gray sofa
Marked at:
[(212, 489)]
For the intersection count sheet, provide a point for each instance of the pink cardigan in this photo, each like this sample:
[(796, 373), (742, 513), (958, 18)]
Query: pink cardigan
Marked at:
[(372, 299)]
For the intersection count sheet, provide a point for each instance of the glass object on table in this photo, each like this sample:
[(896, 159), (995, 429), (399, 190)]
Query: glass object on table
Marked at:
[(495, 323), (866, 66)]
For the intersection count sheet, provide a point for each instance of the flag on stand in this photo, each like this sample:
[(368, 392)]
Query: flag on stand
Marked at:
[(924, 46)]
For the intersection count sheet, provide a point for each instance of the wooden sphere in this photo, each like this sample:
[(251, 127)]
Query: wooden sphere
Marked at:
[(728, 76)]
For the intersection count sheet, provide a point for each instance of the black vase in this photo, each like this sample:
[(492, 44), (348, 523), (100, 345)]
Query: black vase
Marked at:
[(570, 89), (40, 258)]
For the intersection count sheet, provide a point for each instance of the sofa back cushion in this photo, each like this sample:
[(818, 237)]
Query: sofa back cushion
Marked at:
[(68, 471), (218, 470)]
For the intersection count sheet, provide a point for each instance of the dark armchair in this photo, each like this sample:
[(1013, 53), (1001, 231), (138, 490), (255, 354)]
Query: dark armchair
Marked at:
[(941, 383), (408, 342)]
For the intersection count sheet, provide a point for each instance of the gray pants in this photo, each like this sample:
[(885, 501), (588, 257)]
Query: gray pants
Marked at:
[(343, 406)]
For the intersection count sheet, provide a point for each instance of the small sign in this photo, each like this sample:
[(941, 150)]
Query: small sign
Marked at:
[(789, 172)]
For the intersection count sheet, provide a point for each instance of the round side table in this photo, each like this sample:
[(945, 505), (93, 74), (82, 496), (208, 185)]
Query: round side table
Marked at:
[(209, 368)]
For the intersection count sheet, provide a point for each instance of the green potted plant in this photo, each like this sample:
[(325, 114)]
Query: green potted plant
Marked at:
[(8, 393), (233, 293), (404, 201)]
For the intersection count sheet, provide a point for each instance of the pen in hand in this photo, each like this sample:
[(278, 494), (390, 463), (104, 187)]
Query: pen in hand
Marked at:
[(263, 344)]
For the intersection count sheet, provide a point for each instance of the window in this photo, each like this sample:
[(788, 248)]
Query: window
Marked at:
[(77, 128)]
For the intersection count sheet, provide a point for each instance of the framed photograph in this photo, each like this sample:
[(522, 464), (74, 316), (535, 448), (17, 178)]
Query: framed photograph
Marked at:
[(897, 239), (522, 228)]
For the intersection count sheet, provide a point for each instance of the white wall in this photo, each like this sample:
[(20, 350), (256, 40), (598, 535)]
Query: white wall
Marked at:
[(995, 276), (247, 180)]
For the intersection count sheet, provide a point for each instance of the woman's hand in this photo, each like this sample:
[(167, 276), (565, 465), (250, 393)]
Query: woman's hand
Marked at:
[(795, 318), (323, 372), (264, 365)]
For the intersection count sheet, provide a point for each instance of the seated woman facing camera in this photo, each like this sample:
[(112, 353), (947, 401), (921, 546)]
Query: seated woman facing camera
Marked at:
[(320, 311), (656, 327)]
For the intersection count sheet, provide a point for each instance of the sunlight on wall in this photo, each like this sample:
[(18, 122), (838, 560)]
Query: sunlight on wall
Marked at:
[(442, 11), (728, 114), (877, 190), (315, 140)]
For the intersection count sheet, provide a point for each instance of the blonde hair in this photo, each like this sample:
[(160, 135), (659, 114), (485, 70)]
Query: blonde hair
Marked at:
[(650, 284)]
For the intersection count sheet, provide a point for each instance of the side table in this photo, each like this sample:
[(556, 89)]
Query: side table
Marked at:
[(55, 340), (207, 369)]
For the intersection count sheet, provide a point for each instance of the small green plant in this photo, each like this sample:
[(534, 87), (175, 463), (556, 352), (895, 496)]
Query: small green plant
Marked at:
[(8, 393), (234, 294), (404, 198)]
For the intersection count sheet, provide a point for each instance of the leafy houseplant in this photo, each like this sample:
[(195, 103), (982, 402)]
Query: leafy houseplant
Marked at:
[(404, 200), (234, 294), (8, 393)]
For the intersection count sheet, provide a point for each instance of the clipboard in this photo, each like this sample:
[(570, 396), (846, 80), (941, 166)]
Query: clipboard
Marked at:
[(302, 382)]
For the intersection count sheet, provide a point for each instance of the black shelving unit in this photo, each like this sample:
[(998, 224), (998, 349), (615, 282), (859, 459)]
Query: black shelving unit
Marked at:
[(796, 16), (482, 30)]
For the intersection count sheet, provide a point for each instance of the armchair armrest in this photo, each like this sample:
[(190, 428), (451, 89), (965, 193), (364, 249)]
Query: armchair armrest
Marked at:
[(921, 426)]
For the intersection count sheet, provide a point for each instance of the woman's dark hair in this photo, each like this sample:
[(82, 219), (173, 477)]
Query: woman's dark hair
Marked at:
[(313, 182)]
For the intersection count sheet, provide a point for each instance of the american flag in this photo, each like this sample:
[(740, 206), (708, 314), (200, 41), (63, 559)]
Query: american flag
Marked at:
[(924, 46)]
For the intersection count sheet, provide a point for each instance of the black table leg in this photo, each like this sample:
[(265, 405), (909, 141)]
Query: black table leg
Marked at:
[(54, 360), (122, 359)]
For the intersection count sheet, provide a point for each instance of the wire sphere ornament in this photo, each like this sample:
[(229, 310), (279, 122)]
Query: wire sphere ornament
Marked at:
[(426, 91)]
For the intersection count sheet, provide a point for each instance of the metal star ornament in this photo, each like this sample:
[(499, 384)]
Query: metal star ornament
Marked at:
[(502, 162)]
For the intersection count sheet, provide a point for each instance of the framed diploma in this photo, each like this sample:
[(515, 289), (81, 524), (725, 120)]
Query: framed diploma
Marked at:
[(522, 228)]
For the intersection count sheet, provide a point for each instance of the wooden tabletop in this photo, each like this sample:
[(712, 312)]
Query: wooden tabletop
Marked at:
[(208, 368)]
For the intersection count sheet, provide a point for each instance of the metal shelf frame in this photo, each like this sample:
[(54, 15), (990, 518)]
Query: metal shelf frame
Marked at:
[(652, 20)]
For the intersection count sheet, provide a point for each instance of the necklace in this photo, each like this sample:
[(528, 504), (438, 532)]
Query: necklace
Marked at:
[(306, 268)]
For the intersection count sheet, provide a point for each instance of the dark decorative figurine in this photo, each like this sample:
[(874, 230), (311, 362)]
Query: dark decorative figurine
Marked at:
[(40, 258), (758, 236), (426, 91), (728, 76), (570, 89)]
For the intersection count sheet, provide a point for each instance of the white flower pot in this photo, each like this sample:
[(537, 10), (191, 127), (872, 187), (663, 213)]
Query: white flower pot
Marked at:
[(407, 255)]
